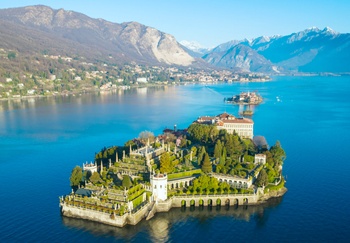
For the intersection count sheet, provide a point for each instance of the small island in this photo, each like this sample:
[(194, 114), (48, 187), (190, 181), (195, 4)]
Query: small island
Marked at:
[(245, 98), (214, 162)]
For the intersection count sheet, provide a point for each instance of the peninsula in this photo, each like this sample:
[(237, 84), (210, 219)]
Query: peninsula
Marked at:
[(214, 162)]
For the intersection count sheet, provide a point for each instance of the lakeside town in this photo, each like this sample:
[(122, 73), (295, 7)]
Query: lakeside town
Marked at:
[(217, 161), (71, 76)]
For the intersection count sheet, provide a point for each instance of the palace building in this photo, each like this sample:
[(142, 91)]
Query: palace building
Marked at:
[(242, 126)]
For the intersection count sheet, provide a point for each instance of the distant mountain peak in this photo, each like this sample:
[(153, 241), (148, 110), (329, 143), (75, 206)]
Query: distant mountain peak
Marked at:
[(195, 46), (330, 31), (310, 50)]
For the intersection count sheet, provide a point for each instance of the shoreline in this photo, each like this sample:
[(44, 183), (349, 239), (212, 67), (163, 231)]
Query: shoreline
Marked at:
[(124, 87)]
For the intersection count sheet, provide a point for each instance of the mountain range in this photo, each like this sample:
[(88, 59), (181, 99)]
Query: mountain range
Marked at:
[(311, 50), (35, 29)]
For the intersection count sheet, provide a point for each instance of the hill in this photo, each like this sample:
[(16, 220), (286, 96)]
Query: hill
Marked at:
[(34, 29)]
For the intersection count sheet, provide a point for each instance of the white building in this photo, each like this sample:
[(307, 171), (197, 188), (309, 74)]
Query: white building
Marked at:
[(260, 159), (90, 167), (242, 126), (141, 80), (159, 186)]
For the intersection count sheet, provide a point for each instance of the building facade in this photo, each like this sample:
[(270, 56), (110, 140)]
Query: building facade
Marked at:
[(159, 184), (244, 127)]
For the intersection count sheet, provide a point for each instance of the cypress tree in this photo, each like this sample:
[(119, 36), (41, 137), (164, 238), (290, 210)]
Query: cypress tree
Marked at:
[(217, 149), (201, 154), (206, 165)]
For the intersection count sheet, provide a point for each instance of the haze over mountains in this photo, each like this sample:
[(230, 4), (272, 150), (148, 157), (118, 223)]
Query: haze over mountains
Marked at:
[(34, 29)]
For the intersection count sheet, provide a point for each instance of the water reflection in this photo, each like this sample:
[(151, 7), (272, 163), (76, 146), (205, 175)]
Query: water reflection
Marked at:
[(100, 97), (158, 228)]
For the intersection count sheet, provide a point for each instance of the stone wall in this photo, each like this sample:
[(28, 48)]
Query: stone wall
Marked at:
[(214, 200), (164, 206), (83, 213), (120, 221)]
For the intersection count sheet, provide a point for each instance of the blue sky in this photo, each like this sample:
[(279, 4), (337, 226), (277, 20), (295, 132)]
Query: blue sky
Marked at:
[(212, 22)]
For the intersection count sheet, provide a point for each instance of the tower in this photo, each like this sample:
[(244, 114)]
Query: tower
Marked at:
[(159, 184)]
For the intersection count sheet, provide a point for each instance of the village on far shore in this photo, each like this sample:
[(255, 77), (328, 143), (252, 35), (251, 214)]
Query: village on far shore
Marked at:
[(216, 161)]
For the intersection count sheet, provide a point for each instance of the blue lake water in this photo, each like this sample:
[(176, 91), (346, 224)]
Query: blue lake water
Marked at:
[(41, 140)]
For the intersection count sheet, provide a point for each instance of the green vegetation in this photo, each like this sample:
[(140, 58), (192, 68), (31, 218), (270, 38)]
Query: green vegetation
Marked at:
[(262, 179), (95, 178), (275, 187), (184, 174), (137, 201), (206, 165), (76, 176), (166, 164), (197, 153), (126, 181)]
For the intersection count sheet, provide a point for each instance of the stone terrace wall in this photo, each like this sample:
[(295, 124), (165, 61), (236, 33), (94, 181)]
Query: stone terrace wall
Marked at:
[(120, 221)]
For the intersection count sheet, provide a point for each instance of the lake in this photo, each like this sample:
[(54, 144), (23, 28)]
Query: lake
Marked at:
[(41, 140)]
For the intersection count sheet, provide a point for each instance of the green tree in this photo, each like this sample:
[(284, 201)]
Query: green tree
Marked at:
[(183, 143), (218, 149), (206, 165), (11, 55), (213, 133), (262, 179), (76, 176), (224, 153), (95, 177), (229, 146), (165, 163), (201, 154), (278, 154), (126, 181), (202, 132)]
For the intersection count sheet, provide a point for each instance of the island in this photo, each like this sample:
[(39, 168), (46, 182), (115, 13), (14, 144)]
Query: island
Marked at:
[(215, 162), (245, 98)]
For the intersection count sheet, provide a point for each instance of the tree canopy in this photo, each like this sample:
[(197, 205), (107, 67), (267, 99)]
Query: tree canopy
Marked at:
[(262, 179), (278, 154), (206, 165), (166, 165), (202, 132), (126, 181), (76, 176), (95, 177)]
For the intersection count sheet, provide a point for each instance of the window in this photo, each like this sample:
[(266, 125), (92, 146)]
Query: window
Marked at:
[(155, 186)]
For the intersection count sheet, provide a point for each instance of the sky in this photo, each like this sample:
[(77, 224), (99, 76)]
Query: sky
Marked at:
[(212, 22)]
